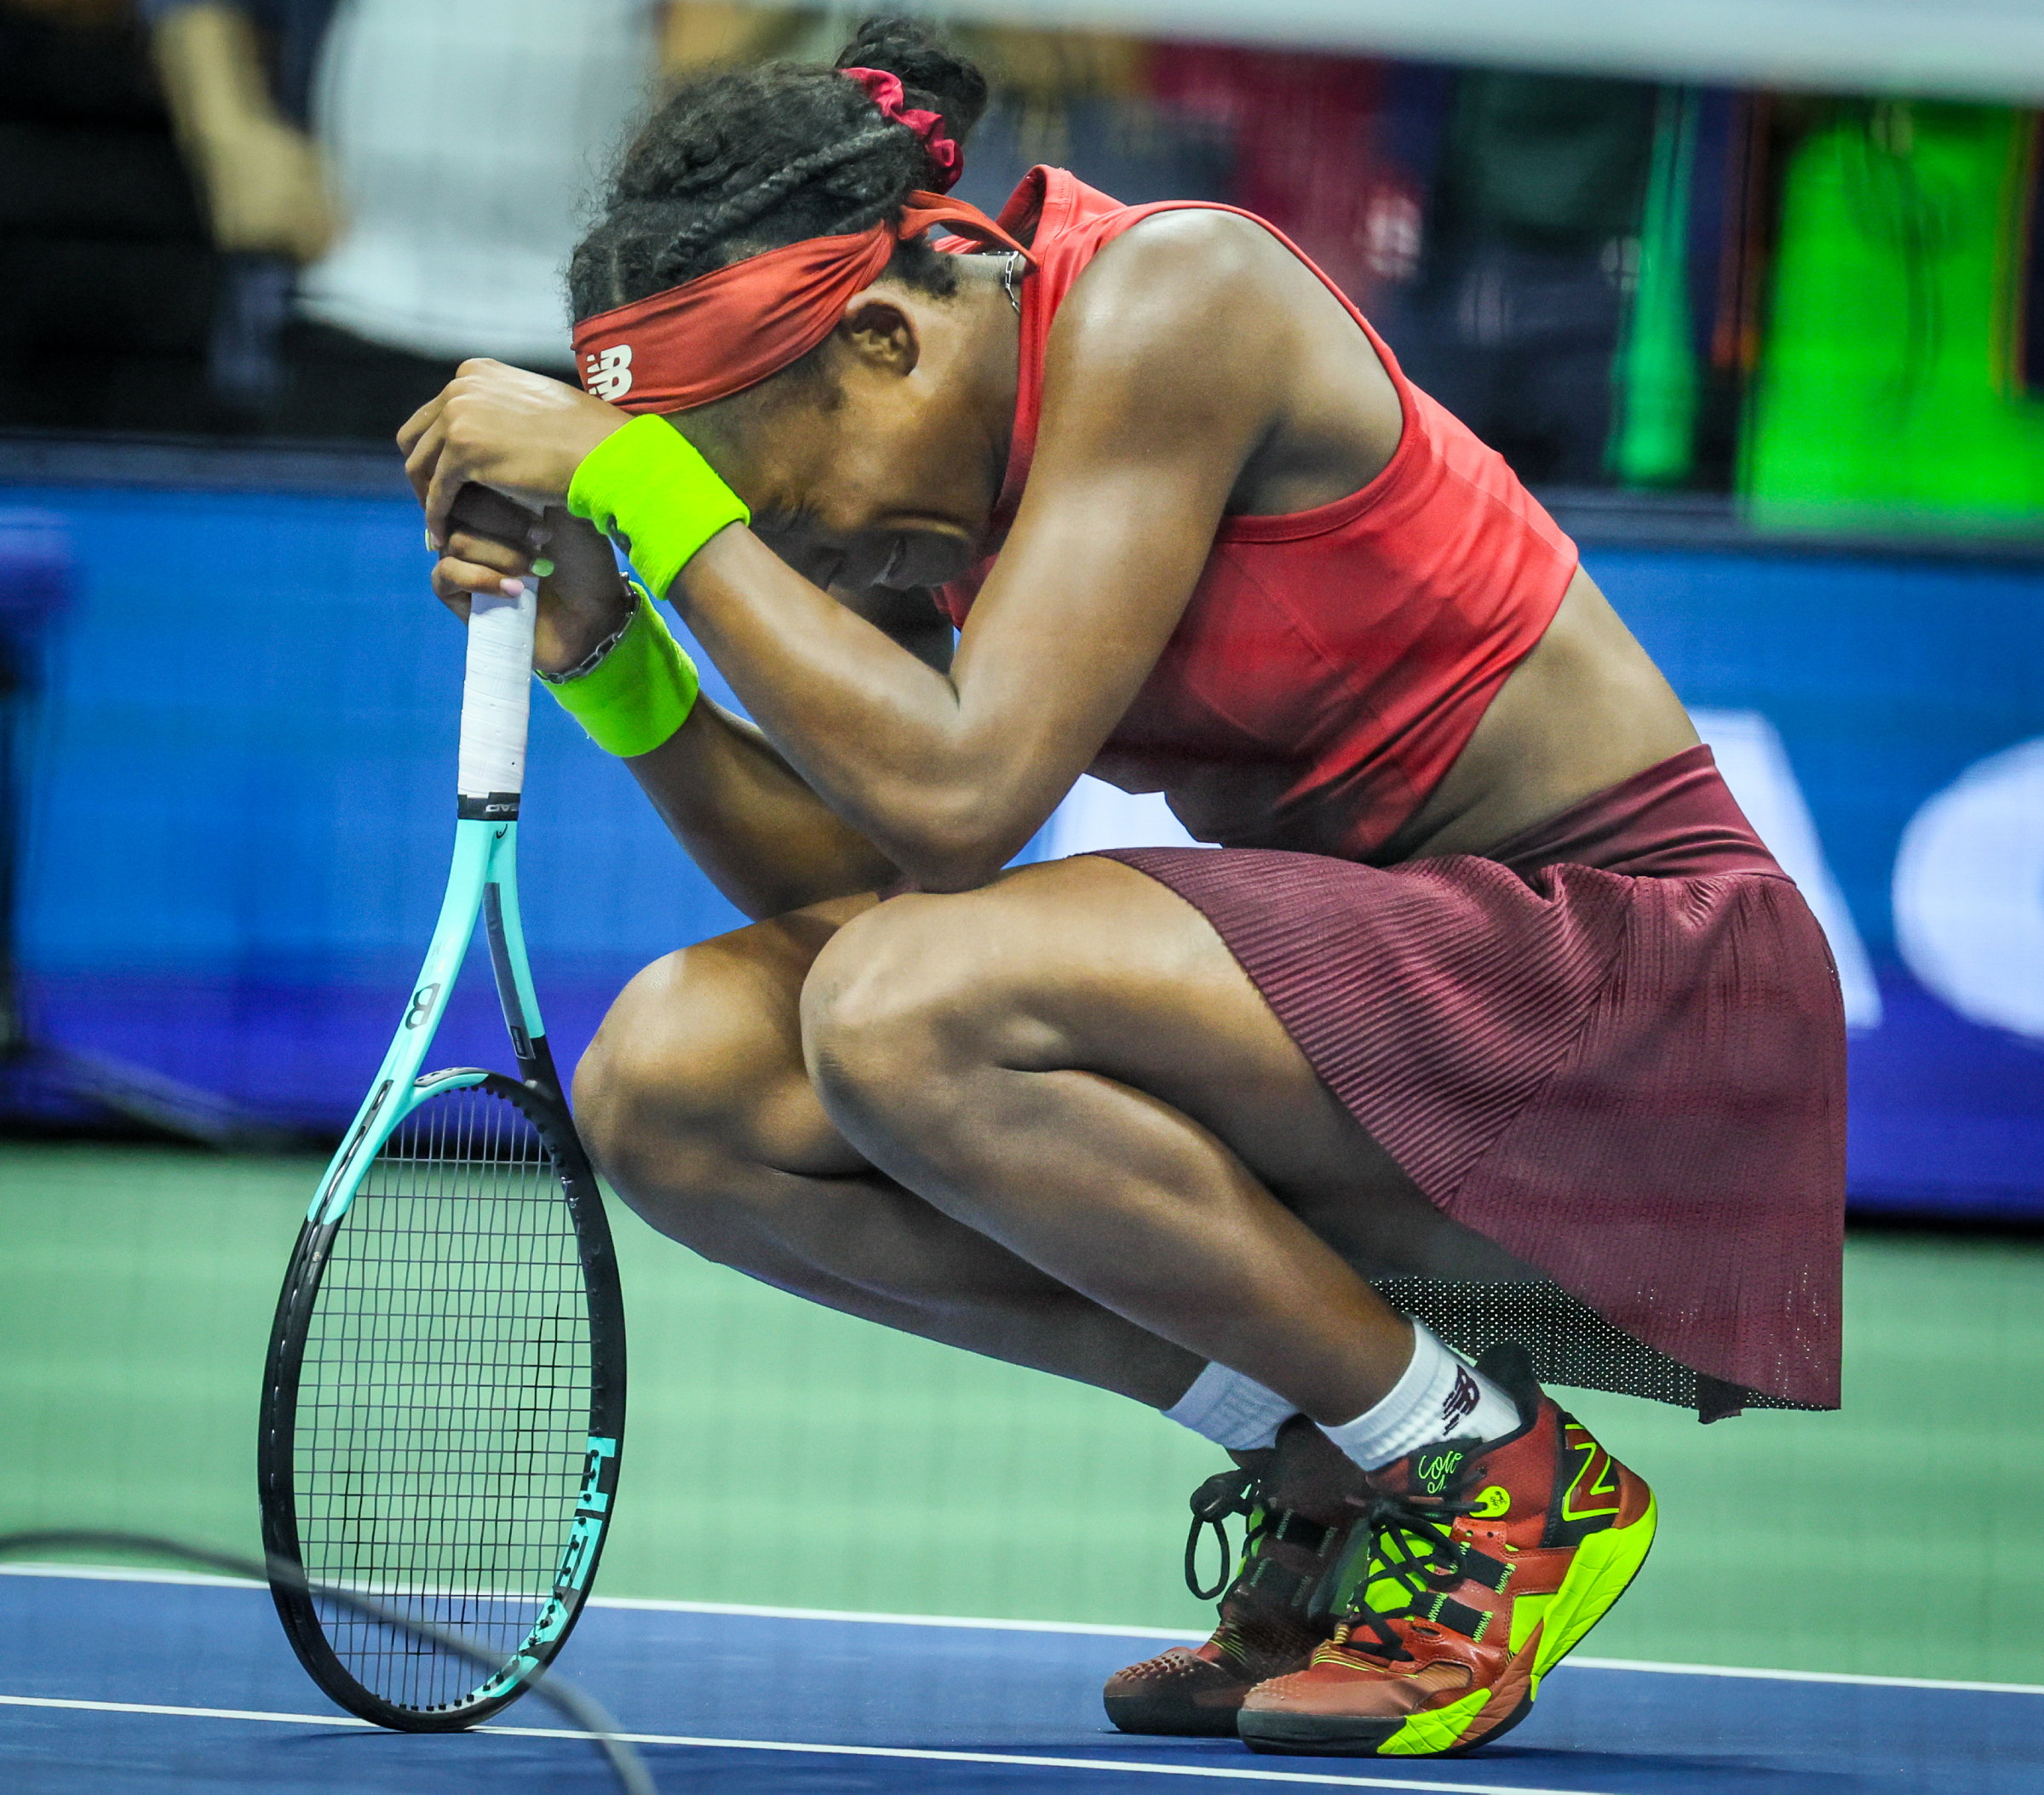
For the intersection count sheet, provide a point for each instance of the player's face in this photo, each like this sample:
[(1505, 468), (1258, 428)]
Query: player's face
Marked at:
[(878, 487), (882, 469)]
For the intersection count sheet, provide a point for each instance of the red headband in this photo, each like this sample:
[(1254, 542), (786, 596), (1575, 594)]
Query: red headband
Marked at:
[(731, 328)]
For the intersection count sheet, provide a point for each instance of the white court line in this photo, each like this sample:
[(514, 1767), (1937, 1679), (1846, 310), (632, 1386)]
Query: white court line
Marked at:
[(752, 1610), (1012, 1758), (123, 1574), (115, 1574), (1578, 1662)]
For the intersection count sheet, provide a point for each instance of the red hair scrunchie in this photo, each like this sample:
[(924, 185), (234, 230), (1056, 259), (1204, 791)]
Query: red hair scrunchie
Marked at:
[(886, 92)]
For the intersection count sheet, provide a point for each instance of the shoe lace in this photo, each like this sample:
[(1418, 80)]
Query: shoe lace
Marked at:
[(1232, 1491), (1410, 1542)]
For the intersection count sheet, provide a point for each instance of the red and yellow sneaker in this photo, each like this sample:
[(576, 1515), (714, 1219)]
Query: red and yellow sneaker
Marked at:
[(1300, 1498), (1480, 1569)]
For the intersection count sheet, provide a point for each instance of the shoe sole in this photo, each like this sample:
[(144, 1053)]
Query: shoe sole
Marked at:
[(1180, 1720), (1580, 1603)]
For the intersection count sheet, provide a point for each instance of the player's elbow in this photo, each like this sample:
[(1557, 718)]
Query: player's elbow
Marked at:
[(958, 841)]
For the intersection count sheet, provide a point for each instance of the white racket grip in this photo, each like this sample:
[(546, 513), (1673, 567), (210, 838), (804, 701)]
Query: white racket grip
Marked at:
[(496, 694)]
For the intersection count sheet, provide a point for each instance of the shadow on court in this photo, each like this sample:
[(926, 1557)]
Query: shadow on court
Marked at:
[(123, 1684)]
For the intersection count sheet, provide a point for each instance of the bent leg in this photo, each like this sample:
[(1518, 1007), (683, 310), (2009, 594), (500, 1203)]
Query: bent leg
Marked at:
[(695, 1103), (1071, 1062)]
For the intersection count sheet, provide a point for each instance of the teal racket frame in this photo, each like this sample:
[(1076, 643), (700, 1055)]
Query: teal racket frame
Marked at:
[(482, 886), (482, 889)]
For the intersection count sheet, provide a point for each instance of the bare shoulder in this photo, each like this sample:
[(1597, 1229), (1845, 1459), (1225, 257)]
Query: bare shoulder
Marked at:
[(1196, 255), (1189, 293)]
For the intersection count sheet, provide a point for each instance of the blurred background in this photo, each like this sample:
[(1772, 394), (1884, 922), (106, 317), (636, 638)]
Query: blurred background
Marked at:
[(1750, 295)]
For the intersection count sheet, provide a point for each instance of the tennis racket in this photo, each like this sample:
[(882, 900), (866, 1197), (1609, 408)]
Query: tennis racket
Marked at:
[(444, 1399)]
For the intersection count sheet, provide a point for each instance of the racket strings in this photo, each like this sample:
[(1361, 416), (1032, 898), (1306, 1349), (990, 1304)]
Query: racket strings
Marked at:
[(444, 1403)]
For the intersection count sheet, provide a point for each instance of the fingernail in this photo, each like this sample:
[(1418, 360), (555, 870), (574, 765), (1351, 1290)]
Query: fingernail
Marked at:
[(542, 569), (430, 544), (512, 588)]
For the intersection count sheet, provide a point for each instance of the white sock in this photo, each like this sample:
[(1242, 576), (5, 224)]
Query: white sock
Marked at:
[(1230, 1410), (1439, 1397)]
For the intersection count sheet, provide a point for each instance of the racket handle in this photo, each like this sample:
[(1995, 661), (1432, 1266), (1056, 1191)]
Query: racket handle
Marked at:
[(496, 699)]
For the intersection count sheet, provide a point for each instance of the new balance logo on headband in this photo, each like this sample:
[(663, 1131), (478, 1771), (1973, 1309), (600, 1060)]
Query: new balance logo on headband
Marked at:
[(607, 373)]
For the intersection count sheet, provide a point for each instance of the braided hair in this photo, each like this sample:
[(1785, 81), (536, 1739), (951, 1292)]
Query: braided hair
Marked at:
[(751, 159)]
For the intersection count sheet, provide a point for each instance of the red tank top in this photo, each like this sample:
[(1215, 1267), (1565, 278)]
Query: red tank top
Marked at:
[(1331, 664)]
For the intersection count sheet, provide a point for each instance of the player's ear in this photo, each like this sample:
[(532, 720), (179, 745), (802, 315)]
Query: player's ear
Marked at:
[(882, 334)]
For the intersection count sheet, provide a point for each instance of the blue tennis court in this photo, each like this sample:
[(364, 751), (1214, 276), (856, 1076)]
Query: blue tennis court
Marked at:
[(119, 1684)]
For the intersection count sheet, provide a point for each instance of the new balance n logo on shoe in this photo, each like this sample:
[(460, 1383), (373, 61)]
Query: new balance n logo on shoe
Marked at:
[(607, 373), (1482, 1568), (1594, 1493)]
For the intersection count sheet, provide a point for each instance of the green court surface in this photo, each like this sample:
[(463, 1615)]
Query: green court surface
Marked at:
[(781, 1454)]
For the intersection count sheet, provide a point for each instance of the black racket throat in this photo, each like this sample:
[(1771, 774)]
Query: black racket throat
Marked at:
[(444, 1402), (535, 1058)]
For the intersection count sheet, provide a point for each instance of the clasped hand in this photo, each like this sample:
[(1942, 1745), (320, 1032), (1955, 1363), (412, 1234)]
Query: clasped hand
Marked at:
[(492, 459), (519, 433)]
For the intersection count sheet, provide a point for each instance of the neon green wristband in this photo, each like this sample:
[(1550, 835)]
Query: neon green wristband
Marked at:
[(640, 692), (648, 485)]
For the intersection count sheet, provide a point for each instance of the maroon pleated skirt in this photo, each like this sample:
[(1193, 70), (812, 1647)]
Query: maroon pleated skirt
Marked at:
[(1615, 1047)]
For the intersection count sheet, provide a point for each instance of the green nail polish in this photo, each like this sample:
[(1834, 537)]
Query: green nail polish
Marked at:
[(543, 568)]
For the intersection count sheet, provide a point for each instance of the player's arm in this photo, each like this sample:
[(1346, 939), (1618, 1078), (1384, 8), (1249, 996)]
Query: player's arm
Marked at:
[(1157, 389), (765, 839), (1165, 373), (746, 818)]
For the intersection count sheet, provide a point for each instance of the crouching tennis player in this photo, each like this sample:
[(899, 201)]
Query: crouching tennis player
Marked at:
[(1488, 1026)]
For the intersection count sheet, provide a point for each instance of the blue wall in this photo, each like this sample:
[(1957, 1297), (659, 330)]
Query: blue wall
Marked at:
[(241, 808), (1886, 678), (251, 754), (244, 803)]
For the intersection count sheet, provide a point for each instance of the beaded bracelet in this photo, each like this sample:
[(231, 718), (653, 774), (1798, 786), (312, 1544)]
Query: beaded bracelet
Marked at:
[(633, 689)]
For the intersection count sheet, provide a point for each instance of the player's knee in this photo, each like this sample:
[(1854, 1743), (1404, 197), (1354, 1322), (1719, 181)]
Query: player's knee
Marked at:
[(888, 1012), (677, 1075)]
